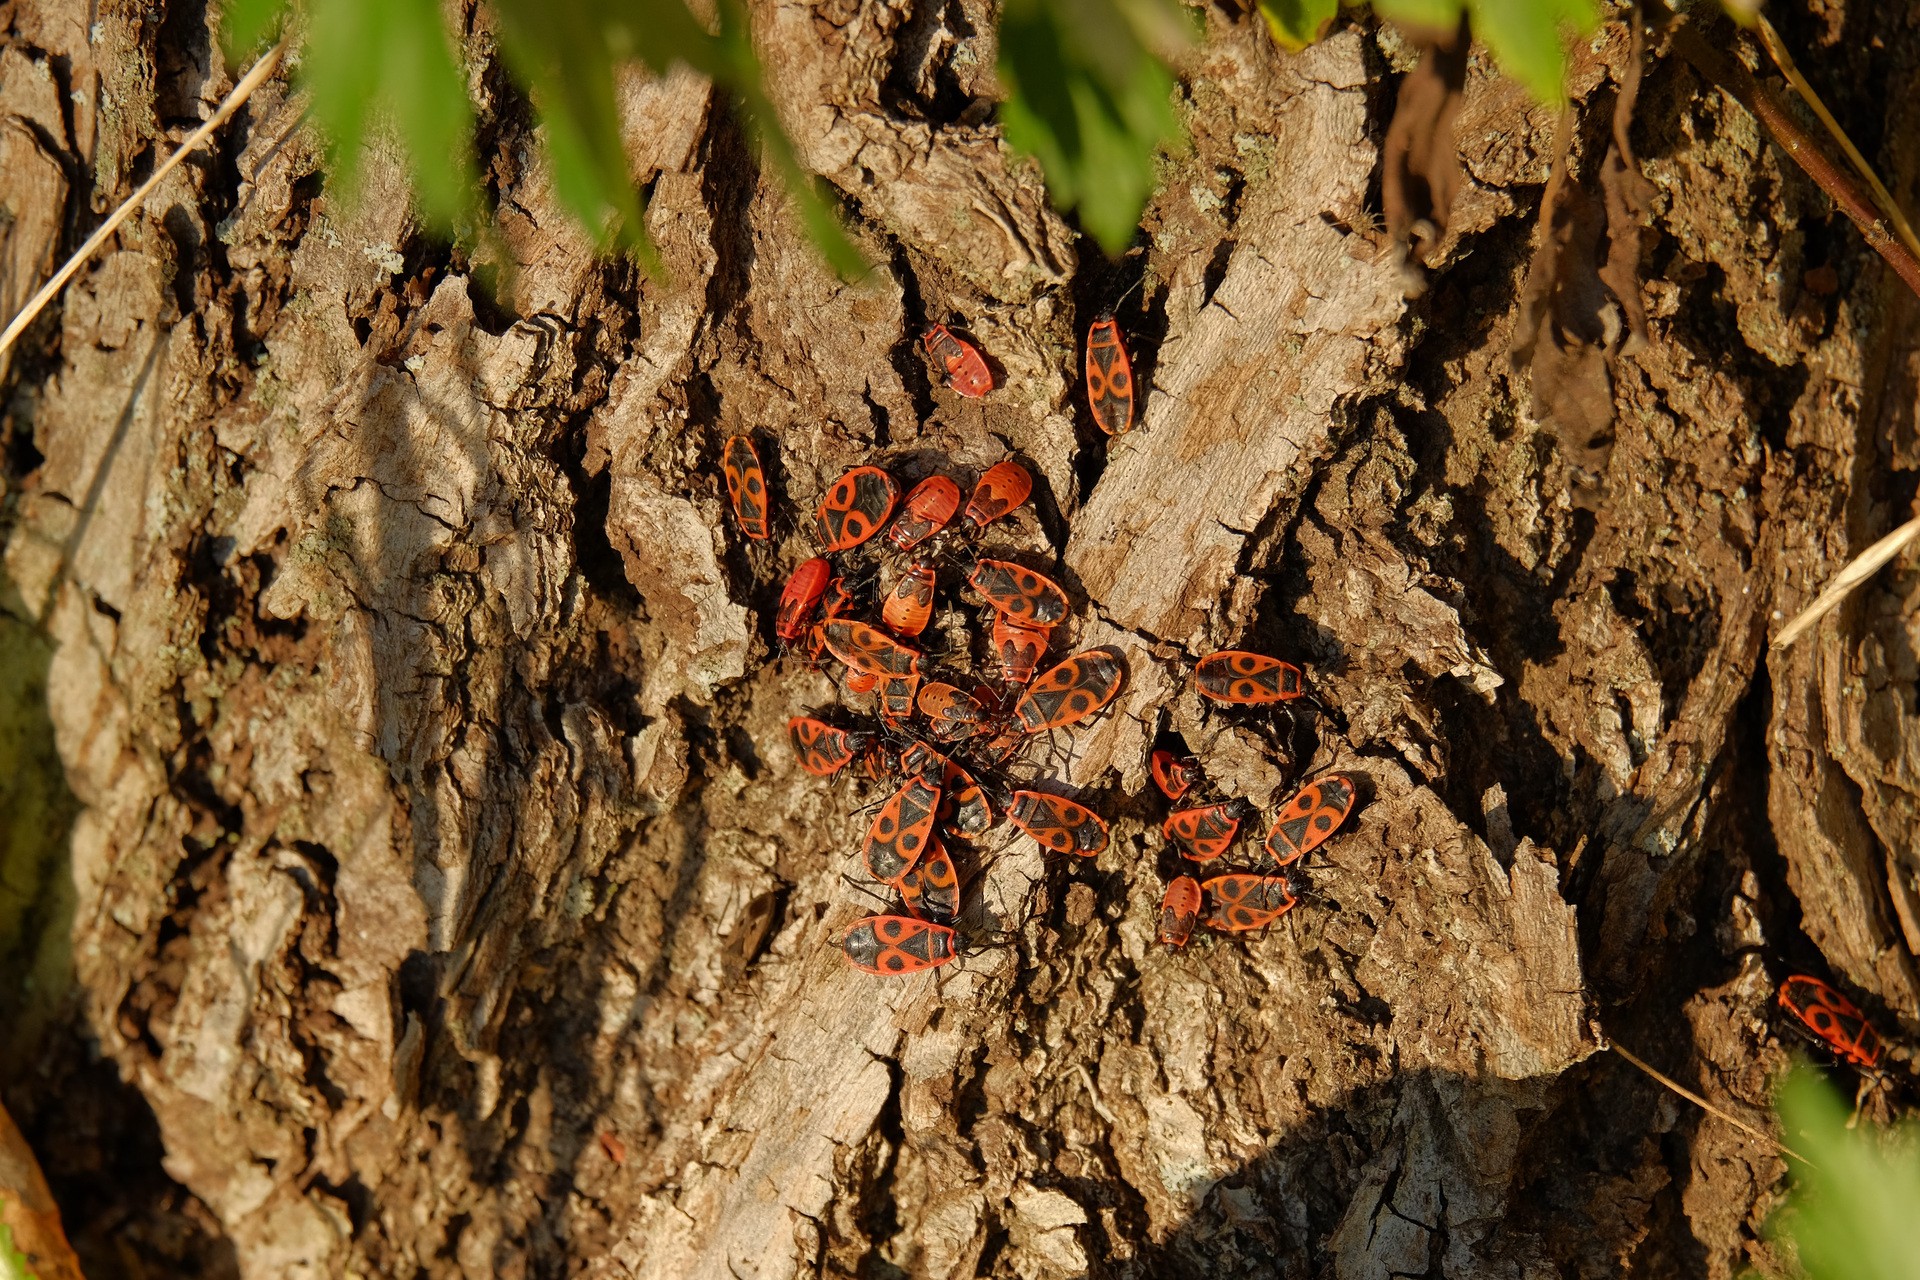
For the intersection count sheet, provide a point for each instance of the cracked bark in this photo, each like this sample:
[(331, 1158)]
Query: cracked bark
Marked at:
[(443, 885)]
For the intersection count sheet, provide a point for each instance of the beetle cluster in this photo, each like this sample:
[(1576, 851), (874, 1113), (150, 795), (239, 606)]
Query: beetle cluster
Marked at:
[(1203, 829), (983, 725), (982, 721)]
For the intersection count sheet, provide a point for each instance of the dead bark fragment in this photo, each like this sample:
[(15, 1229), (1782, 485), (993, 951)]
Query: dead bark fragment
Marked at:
[(1627, 194), (28, 1212), (1420, 170), (1580, 309)]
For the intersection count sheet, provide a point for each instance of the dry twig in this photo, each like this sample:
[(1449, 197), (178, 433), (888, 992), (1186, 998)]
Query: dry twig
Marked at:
[(232, 103), (1777, 50), (1853, 199), (1708, 1107), (1857, 571)]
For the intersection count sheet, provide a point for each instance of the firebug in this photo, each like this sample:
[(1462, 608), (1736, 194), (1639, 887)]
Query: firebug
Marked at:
[(954, 712), (898, 944), (1836, 1020), (1179, 909), (1236, 676), (1059, 824), (1174, 775), (1310, 817), (855, 508), (746, 486), (1109, 377), (931, 890), (822, 749), (901, 829), (797, 602), (972, 814), (1018, 592), (929, 507), (1204, 833), (1074, 690), (864, 648), (1003, 487), (965, 368), (1017, 647), (909, 606), (1242, 903)]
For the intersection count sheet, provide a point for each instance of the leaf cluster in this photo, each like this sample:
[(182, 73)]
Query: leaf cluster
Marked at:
[(1526, 36), (395, 60), (1090, 91)]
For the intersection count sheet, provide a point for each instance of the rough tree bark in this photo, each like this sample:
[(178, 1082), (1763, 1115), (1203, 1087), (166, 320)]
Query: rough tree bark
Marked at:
[(441, 881)]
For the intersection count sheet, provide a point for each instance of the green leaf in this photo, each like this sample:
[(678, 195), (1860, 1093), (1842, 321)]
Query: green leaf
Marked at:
[(739, 67), (13, 1263), (1853, 1205), (1295, 24), (1435, 15), (1525, 36), (1090, 100), (1527, 41), (246, 24), (564, 52), (394, 56)]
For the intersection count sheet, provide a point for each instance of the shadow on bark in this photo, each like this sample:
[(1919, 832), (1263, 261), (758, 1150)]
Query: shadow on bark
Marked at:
[(93, 1133), (1409, 1179)]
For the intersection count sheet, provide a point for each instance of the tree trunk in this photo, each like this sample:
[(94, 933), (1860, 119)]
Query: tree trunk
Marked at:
[(442, 880)]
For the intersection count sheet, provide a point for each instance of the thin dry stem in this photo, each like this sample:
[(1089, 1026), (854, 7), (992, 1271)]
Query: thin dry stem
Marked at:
[(1777, 50), (1708, 1107), (1853, 199), (1857, 571), (232, 103)]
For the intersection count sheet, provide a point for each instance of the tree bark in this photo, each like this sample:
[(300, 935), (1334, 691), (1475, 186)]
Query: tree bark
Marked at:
[(442, 881)]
